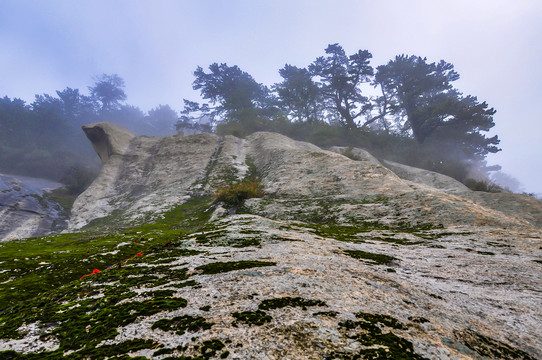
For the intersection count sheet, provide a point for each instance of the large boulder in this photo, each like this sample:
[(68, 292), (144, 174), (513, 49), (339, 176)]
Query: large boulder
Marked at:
[(108, 139), (144, 177), (26, 210)]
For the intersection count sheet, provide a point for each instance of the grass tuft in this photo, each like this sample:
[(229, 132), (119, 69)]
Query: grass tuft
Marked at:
[(236, 193)]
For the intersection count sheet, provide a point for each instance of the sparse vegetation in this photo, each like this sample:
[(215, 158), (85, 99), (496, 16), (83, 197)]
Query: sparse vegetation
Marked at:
[(370, 258), (377, 344), (490, 348), (236, 193), (181, 324), (257, 317), (289, 301), (220, 267), (481, 185)]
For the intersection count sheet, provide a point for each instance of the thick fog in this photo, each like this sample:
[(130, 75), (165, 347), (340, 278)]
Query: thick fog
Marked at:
[(156, 46)]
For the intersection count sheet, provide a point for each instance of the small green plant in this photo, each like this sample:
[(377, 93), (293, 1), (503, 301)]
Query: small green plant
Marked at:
[(257, 317), (236, 193)]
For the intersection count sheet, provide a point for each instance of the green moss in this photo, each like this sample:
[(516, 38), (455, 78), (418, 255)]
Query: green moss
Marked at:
[(257, 317), (160, 293), (221, 238), (380, 319), (209, 348), (278, 303), (184, 284), (252, 172), (490, 348), (326, 313), (371, 258), (163, 351), (398, 241), (367, 330), (343, 232), (220, 267), (118, 351), (82, 322), (37, 265), (181, 324), (205, 308), (189, 216), (351, 233), (498, 244), (485, 252), (246, 242), (419, 320)]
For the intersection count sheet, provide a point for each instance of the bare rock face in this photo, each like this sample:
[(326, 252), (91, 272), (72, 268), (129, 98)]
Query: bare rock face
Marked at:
[(25, 209), (108, 139), (143, 177), (347, 257)]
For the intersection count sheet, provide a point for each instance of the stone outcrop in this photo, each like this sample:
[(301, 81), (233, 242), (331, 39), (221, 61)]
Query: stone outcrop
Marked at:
[(25, 210), (344, 257), (108, 139), (144, 177)]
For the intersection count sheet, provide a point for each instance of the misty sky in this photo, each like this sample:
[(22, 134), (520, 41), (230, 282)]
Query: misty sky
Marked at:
[(495, 45)]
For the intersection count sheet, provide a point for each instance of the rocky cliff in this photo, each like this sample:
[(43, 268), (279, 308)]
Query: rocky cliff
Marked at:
[(342, 258), (25, 209), (143, 177)]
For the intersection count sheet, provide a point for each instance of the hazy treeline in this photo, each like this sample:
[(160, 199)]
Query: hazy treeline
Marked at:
[(44, 138), (406, 110)]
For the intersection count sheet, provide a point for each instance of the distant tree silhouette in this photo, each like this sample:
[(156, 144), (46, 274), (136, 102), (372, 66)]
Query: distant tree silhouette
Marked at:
[(108, 90), (232, 93), (298, 95), (163, 119), (340, 77), (423, 94)]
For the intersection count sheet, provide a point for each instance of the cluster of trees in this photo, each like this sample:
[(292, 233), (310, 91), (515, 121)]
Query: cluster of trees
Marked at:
[(406, 110), (44, 138)]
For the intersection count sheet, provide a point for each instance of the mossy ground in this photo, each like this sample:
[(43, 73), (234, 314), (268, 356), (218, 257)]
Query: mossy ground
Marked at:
[(39, 276), (37, 265), (371, 258), (370, 331), (40, 280), (279, 303), (220, 267), (257, 317), (490, 348), (181, 324)]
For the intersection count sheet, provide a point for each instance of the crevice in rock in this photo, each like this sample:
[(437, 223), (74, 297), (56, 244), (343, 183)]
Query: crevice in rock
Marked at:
[(198, 188)]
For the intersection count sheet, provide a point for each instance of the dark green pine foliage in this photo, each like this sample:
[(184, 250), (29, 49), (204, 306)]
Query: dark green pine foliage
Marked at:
[(435, 112), (340, 77)]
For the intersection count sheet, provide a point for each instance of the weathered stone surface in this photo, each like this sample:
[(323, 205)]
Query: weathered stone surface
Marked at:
[(155, 174), (428, 178), (449, 288), (108, 139), (364, 257), (24, 211)]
